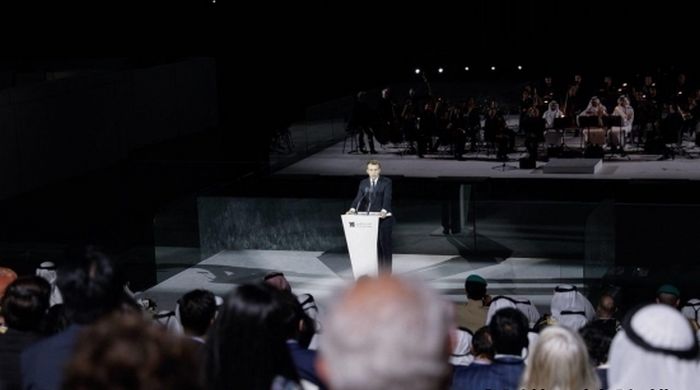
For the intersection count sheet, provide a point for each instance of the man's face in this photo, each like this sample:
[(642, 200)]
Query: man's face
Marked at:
[(373, 171)]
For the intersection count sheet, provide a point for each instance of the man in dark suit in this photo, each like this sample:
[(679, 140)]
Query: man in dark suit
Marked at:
[(508, 328), (374, 195)]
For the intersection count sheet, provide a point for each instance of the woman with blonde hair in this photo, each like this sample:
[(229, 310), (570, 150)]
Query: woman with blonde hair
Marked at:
[(559, 361)]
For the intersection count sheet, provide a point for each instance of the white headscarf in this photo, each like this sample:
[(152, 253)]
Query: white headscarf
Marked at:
[(572, 319), (47, 270), (308, 303), (691, 309), (530, 311), (657, 348), (460, 354), (592, 111), (498, 303), (171, 321), (567, 297)]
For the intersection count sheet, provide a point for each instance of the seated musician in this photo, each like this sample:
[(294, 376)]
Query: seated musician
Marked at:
[(552, 113), (626, 112), (496, 131), (552, 136), (594, 135)]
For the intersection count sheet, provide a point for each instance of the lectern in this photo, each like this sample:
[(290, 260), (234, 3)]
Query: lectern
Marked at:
[(361, 231)]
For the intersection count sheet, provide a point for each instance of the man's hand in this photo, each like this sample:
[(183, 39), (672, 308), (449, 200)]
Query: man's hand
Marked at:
[(350, 212), (382, 214)]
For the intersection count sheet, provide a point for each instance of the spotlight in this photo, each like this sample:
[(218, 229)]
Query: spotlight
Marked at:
[(440, 70), (493, 68), (417, 71), (624, 85), (520, 67), (466, 68)]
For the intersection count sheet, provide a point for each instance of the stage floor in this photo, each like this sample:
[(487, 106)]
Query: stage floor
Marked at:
[(333, 161), (322, 273)]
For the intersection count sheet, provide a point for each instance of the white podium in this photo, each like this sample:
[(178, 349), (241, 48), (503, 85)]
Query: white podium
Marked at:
[(361, 231)]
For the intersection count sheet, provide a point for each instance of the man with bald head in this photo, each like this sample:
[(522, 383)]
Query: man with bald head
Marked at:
[(386, 333), (605, 319)]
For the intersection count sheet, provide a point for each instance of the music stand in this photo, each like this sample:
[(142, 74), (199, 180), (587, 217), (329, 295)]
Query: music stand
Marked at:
[(501, 141), (534, 134), (560, 125), (351, 133), (587, 122)]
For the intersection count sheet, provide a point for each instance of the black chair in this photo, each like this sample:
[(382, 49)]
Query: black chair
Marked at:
[(616, 121), (534, 134)]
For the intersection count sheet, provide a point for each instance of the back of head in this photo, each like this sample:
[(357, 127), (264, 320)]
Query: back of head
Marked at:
[(559, 360), (597, 343), (90, 285), (482, 344), (606, 306), (125, 351), (475, 287), (246, 347), (656, 346), (509, 328), (298, 325), (567, 297), (691, 309), (25, 303), (197, 310), (47, 270), (668, 294), (497, 303), (386, 333), (277, 280)]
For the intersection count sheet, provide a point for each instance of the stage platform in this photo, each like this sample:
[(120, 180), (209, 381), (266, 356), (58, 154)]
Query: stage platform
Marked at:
[(322, 273), (332, 161)]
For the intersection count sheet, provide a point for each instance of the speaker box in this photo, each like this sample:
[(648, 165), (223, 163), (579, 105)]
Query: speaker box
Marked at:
[(528, 163)]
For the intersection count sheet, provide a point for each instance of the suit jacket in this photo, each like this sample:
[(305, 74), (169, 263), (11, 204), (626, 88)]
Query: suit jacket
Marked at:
[(503, 374), (376, 200), (43, 362), (12, 342), (304, 360)]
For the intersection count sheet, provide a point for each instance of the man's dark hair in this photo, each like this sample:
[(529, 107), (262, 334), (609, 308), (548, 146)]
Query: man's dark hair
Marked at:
[(90, 285), (25, 303), (482, 344), (294, 316), (597, 342), (197, 309), (509, 328), (475, 290)]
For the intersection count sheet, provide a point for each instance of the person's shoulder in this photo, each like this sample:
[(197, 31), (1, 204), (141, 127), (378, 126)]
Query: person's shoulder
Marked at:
[(385, 178)]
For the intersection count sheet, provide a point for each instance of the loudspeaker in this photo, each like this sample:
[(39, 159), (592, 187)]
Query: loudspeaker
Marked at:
[(528, 163)]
